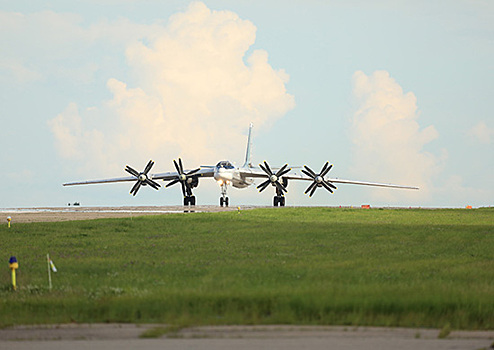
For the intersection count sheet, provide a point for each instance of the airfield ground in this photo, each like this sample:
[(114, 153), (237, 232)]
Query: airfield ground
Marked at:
[(52, 214), (128, 336)]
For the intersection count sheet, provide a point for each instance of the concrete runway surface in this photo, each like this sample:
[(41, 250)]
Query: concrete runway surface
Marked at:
[(126, 337), (21, 215)]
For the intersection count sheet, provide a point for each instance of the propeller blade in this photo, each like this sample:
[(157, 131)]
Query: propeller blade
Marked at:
[(181, 165), (313, 174), (153, 184), (176, 166), (265, 170), (148, 167), (325, 171), (267, 182), (310, 187), (139, 182), (131, 171), (326, 186), (263, 186), (183, 188), (280, 186), (308, 174), (324, 167), (313, 190), (135, 188), (186, 186), (268, 168), (193, 171), (171, 183), (331, 185), (324, 183), (281, 170), (279, 174), (284, 173)]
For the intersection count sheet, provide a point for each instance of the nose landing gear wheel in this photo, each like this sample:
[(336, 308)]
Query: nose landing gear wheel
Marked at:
[(224, 201)]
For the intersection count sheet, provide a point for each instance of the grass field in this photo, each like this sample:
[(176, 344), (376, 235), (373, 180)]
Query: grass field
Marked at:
[(410, 268)]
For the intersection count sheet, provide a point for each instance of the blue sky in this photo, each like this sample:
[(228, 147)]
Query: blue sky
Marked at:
[(388, 91)]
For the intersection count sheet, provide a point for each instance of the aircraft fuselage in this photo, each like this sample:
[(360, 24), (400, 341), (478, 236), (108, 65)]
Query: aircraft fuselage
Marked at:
[(226, 173)]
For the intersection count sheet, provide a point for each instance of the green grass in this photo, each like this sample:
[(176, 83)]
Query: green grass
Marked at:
[(410, 268)]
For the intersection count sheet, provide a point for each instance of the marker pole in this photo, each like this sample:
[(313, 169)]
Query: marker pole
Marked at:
[(49, 270), (13, 264), (13, 279)]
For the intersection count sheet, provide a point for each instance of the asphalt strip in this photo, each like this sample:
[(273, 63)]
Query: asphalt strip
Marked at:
[(128, 336)]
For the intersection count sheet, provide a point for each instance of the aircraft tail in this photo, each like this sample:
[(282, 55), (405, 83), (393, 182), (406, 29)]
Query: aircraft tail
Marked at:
[(248, 163)]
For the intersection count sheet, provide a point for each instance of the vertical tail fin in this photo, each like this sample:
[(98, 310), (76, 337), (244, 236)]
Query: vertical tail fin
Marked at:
[(248, 163)]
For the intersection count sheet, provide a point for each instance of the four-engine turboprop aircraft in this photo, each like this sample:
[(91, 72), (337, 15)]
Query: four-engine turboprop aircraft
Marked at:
[(240, 177)]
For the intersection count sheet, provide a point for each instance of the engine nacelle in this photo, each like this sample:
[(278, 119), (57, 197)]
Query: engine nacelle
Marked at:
[(284, 181), (194, 182)]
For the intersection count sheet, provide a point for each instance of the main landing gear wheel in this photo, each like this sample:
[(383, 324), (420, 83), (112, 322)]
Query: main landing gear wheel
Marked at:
[(279, 200), (190, 200), (224, 201)]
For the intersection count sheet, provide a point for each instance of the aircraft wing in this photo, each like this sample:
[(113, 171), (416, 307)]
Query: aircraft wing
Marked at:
[(167, 176), (300, 176), (365, 183), (256, 172)]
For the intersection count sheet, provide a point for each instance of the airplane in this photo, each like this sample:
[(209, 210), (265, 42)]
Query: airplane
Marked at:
[(225, 173)]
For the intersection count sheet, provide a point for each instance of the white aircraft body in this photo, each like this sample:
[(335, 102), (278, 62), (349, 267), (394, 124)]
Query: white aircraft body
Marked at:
[(240, 177)]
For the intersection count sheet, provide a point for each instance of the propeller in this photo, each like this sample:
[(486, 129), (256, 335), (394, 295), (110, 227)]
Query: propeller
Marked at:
[(318, 179), (183, 178), (273, 179), (142, 178)]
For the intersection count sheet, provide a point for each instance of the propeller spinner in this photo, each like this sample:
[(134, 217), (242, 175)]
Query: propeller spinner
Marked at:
[(183, 178), (273, 178), (142, 178), (318, 179)]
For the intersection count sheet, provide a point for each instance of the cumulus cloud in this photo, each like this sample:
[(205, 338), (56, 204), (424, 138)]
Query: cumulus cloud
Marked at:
[(481, 133), (194, 92), (388, 140), (76, 141)]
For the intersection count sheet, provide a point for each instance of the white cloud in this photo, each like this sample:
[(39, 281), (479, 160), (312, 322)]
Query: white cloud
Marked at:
[(388, 141), (196, 92), (58, 44), (481, 133), (76, 141)]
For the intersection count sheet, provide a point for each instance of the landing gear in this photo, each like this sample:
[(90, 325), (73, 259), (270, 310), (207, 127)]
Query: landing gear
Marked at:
[(224, 201), (189, 200), (279, 200)]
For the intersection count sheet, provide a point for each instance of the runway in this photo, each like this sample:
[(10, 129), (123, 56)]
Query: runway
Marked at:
[(23, 215)]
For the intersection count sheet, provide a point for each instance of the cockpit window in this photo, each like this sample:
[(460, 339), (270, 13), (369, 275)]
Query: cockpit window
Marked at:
[(225, 164)]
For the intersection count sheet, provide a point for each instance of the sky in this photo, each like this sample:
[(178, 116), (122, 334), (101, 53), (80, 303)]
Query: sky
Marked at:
[(387, 91)]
